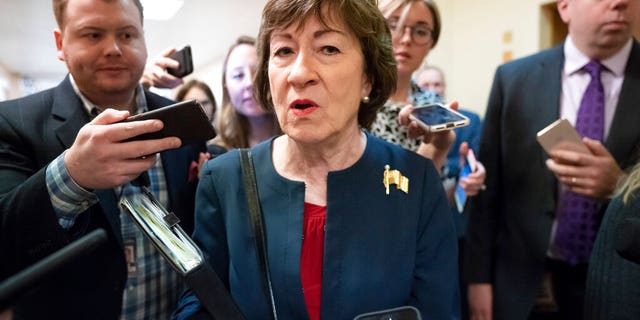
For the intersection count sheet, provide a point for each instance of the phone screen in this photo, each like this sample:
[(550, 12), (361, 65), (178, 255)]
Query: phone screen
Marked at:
[(436, 114)]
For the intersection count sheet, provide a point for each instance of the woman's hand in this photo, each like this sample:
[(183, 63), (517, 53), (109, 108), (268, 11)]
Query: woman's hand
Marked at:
[(435, 145), (202, 158), (474, 182)]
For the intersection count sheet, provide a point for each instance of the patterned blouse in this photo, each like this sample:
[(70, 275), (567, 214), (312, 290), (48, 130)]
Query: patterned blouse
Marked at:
[(386, 125)]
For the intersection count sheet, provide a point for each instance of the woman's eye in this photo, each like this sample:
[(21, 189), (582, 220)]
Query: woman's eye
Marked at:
[(237, 76), (282, 51), (330, 50)]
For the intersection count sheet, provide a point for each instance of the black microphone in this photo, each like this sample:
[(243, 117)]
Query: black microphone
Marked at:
[(627, 241), (11, 288)]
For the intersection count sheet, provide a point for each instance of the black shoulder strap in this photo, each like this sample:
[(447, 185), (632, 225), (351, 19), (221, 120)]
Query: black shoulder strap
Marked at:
[(251, 189)]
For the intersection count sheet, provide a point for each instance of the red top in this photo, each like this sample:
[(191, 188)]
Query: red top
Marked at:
[(311, 258)]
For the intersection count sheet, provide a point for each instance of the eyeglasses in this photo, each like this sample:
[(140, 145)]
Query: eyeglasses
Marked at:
[(420, 34)]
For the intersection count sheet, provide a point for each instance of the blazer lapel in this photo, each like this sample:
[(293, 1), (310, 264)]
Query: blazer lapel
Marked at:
[(68, 115), (624, 135), (174, 173), (68, 112), (109, 204), (549, 80)]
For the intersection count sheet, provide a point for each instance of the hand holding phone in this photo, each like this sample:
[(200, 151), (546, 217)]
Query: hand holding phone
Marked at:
[(436, 117), (185, 120), (183, 56), (561, 135)]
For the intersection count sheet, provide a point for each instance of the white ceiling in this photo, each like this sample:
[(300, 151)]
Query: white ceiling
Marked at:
[(209, 26)]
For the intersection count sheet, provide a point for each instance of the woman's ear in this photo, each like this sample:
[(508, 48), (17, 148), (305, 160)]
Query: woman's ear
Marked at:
[(366, 86)]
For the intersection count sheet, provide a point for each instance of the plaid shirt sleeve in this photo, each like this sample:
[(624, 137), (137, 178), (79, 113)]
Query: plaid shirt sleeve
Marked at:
[(67, 197)]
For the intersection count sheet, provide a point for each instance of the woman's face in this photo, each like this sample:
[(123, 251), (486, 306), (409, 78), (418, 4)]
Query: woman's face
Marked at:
[(241, 66), (408, 54), (317, 80), (201, 96)]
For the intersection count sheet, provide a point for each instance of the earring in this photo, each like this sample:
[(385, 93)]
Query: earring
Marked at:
[(365, 99)]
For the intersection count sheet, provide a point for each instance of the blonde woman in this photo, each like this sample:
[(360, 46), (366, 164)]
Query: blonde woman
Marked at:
[(242, 122), (613, 282)]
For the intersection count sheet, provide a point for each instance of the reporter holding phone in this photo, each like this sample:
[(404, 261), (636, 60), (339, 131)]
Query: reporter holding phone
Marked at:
[(63, 165), (333, 232), (518, 230), (415, 29)]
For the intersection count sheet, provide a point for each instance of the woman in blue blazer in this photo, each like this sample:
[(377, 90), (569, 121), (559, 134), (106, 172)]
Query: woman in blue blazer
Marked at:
[(353, 224)]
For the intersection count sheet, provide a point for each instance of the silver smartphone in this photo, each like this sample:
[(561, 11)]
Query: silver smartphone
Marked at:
[(436, 117), (561, 135)]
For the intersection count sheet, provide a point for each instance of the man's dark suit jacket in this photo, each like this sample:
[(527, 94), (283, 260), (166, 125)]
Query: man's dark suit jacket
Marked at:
[(33, 131), (510, 223)]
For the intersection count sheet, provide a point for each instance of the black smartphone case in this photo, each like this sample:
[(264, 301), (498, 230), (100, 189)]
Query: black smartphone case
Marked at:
[(183, 56), (400, 313), (185, 120)]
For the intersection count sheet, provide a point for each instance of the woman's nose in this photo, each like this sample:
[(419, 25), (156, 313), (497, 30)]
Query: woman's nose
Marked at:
[(302, 71)]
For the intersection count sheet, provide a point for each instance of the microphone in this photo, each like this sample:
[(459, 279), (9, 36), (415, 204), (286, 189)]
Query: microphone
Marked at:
[(12, 287)]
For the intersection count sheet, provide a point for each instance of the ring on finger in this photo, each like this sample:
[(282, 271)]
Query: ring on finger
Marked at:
[(573, 180)]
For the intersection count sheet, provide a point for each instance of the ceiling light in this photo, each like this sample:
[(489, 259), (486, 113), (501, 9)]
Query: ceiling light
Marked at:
[(160, 9)]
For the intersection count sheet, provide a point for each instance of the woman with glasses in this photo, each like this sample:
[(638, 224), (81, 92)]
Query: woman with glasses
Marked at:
[(415, 29)]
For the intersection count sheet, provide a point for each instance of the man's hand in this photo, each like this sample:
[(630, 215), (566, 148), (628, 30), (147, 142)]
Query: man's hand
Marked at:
[(156, 75), (98, 159), (480, 301), (595, 175)]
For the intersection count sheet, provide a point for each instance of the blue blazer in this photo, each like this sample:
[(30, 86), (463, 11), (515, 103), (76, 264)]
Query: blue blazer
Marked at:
[(33, 131), (381, 251), (510, 222)]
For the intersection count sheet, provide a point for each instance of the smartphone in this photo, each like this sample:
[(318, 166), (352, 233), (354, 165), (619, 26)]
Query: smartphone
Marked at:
[(561, 135), (401, 313), (185, 120), (183, 56), (436, 117), (470, 165)]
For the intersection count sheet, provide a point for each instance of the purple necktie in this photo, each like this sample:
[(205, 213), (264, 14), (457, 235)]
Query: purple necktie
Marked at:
[(578, 218)]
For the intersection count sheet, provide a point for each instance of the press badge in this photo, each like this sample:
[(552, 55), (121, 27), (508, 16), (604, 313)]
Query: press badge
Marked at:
[(130, 257)]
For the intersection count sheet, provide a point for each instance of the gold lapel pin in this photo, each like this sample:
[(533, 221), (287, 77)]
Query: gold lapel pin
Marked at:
[(395, 177)]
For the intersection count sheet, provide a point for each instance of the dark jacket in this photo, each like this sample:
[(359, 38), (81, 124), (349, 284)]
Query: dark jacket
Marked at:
[(381, 251), (33, 131), (510, 223)]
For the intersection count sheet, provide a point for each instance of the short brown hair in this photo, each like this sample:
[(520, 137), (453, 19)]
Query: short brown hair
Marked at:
[(389, 6), (366, 22), (184, 89), (60, 5)]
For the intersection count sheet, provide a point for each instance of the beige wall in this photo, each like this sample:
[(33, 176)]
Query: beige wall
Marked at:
[(471, 45), (9, 88)]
